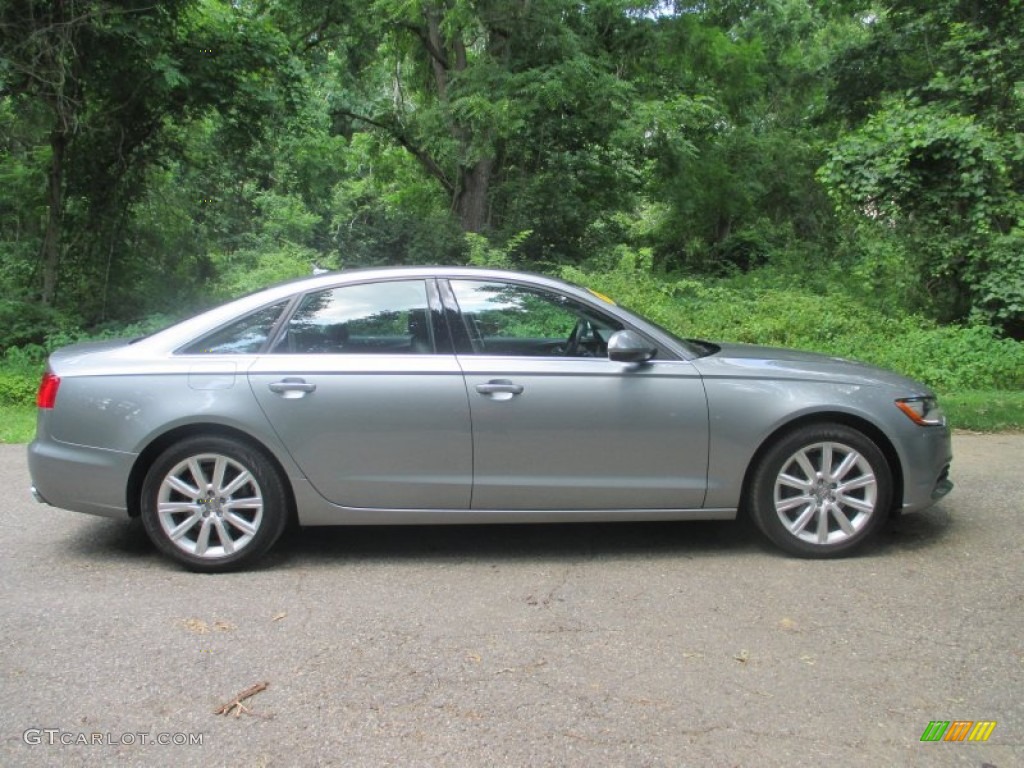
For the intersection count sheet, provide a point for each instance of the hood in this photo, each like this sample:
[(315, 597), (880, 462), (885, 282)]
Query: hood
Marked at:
[(752, 361)]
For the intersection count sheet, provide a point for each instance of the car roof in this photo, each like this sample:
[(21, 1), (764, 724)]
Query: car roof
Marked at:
[(326, 279), (209, 320)]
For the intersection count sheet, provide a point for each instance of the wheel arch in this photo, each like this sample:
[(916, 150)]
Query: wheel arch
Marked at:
[(162, 442), (876, 435)]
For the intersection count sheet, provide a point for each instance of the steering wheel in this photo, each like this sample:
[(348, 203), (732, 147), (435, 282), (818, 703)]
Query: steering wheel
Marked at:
[(574, 345)]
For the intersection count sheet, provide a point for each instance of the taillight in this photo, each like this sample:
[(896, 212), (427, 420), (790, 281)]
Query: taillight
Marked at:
[(47, 394)]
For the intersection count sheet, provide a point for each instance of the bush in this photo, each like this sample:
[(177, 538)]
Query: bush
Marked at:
[(245, 271), (18, 388), (20, 369), (24, 322)]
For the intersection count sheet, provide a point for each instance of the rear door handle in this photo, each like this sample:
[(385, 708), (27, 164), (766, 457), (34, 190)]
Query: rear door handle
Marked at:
[(499, 387), (291, 385)]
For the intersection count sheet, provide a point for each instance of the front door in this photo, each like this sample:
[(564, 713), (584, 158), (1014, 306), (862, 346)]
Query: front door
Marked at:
[(558, 426)]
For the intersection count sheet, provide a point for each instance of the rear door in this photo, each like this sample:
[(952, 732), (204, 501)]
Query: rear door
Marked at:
[(556, 424), (364, 390)]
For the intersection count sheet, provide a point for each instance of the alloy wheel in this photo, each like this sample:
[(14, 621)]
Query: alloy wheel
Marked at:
[(210, 506), (825, 493)]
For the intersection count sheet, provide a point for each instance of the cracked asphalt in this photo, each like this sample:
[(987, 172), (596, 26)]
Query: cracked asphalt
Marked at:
[(611, 645)]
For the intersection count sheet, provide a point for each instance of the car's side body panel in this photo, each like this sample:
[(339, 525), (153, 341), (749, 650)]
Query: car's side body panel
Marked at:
[(388, 431), (587, 434)]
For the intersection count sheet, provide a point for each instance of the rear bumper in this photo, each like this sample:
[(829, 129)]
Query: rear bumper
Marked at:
[(80, 478)]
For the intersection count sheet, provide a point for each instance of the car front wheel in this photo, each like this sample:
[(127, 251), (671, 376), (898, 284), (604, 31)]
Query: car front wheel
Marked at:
[(821, 491), (213, 504)]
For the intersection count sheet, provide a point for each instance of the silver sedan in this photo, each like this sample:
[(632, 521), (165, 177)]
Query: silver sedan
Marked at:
[(458, 395)]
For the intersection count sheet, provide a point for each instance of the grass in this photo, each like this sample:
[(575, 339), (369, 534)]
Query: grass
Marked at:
[(985, 411), (977, 411), (17, 423)]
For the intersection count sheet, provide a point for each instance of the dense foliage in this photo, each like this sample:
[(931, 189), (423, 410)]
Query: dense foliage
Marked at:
[(767, 306), (158, 157), (763, 306)]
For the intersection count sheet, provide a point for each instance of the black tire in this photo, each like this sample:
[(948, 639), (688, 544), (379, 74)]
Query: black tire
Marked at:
[(803, 514), (214, 532)]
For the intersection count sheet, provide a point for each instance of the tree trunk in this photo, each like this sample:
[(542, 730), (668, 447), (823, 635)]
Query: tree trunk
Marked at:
[(471, 201), (50, 252), (447, 54)]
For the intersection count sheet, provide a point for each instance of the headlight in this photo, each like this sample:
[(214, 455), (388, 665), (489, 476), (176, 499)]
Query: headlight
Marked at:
[(922, 410)]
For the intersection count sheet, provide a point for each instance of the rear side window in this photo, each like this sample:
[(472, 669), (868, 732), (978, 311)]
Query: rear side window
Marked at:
[(244, 336), (388, 318)]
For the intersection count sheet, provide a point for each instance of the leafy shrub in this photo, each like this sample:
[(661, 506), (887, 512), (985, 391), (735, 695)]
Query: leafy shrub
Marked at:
[(23, 322), (245, 271), (19, 372), (18, 387), (947, 183), (20, 369)]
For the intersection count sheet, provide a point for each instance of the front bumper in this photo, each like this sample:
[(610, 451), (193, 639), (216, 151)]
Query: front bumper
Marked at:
[(926, 467)]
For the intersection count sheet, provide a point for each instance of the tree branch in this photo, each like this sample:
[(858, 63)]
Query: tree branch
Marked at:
[(398, 135), (435, 52)]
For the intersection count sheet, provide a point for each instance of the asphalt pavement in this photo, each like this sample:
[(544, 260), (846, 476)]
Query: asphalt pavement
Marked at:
[(591, 645)]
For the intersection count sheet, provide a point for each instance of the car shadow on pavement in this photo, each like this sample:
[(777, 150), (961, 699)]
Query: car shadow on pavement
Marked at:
[(918, 530), (541, 541), (325, 546), (98, 538), (732, 538)]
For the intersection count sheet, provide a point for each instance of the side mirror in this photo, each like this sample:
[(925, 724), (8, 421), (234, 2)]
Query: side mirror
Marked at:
[(629, 347)]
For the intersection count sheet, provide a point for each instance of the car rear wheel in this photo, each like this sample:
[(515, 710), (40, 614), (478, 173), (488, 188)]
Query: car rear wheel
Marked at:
[(821, 491), (213, 504)]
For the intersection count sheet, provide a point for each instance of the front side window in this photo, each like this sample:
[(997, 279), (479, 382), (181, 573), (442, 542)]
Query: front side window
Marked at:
[(371, 318), (244, 336), (509, 319)]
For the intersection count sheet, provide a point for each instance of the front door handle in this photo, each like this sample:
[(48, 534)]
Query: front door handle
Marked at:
[(286, 386), (499, 387)]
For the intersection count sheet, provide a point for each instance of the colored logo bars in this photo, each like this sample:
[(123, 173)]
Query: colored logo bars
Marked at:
[(958, 730)]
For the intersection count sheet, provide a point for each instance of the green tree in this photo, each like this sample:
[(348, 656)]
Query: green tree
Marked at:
[(97, 92), (735, 101), (500, 102), (935, 153)]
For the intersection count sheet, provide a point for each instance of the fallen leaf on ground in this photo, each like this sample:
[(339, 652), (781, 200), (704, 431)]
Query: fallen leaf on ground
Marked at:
[(198, 626)]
